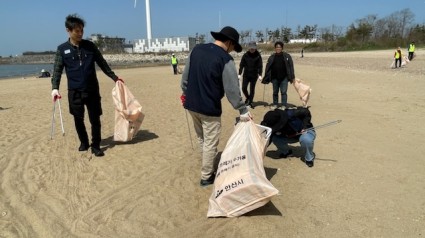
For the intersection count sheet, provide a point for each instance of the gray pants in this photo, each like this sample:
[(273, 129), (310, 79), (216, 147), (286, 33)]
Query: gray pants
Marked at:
[(208, 131)]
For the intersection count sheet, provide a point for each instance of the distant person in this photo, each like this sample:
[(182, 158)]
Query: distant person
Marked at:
[(44, 74), (252, 67), (411, 50), (279, 71), (302, 53), (292, 126), (174, 63), (209, 74), (397, 57), (78, 57)]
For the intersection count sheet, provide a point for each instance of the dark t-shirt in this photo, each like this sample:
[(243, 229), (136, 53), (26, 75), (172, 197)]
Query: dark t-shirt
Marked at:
[(278, 69)]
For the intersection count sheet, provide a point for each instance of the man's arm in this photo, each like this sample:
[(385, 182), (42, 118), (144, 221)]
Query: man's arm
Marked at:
[(57, 70), (103, 65), (231, 87), (185, 75)]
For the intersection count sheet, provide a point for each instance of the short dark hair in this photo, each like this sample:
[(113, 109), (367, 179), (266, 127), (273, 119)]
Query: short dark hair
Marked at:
[(278, 43), (73, 20)]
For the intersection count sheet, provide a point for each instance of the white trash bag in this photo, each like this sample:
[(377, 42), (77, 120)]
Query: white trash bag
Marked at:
[(241, 184)]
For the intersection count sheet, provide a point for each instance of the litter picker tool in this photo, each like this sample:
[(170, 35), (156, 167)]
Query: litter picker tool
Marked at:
[(57, 99), (320, 126), (188, 127)]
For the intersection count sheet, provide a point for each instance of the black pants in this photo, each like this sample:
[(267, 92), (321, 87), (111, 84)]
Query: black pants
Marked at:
[(399, 62), (410, 55), (251, 81), (175, 68), (77, 102)]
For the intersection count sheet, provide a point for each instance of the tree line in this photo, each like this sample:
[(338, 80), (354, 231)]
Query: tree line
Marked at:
[(369, 32)]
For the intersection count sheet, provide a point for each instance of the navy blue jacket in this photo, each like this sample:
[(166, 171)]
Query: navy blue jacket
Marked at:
[(209, 73), (79, 63)]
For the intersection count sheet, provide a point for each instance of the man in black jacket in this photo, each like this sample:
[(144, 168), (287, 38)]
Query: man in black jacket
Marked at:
[(252, 67), (292, 126), (279, 71), (78, 57)]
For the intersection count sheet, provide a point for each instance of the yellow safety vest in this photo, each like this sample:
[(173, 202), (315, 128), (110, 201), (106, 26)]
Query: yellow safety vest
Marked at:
[(173, 60), (397, 55), (412, 48)]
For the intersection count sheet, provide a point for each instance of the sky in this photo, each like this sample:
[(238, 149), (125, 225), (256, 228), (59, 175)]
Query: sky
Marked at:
[(29, 25)]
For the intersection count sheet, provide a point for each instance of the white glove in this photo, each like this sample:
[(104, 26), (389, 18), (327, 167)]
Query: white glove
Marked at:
[(55, 95), (260, 78), (245, 117), (239, 77)]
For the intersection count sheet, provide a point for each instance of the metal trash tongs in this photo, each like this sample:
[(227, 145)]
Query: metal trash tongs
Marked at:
[(57, 99)]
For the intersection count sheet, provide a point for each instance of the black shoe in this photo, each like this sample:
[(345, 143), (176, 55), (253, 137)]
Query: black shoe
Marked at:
[(309, 163), (83, 147), (251, 106), (97, 152), (207, 182), (285, 155)]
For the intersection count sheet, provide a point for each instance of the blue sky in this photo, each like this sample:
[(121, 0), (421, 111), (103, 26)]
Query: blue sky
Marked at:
[(29, 25)]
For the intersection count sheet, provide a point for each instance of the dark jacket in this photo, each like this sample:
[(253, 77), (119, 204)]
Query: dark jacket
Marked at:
[(288, 122), (289, 65), (251, 64), (209, 74), (79, 63)]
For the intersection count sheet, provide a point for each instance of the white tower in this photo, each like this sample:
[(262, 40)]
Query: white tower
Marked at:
[(148, 21)]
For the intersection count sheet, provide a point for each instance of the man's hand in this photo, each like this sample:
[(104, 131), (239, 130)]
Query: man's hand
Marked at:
[(119, 79), (55, 95), (245, 117), (183, 99), (239, 77), (260, 78)]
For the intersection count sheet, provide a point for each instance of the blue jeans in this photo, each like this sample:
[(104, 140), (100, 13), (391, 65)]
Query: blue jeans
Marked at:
[(306, 141), (283, 86)]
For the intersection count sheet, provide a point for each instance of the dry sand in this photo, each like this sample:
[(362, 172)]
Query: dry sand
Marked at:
[(368, 179)]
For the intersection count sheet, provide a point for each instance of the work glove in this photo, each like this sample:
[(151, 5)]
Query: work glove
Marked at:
[(239, 77), (55, 95), (245, 117), (183, 99), (260, 78), (119, 79)]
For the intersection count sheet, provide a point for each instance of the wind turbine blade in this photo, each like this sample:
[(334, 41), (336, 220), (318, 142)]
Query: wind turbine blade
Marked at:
[(135, 1)]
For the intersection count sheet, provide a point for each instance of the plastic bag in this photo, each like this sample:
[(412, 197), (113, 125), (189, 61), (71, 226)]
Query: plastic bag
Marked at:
[(241, 184)]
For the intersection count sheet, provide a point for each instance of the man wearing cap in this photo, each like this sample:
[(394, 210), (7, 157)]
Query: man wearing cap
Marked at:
[(252, 67), (209, 74), (174, 63), (292, 126)]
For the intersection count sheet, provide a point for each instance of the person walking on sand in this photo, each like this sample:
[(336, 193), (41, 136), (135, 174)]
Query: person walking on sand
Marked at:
[(397, 57), (411, 50), (209, 74), (174, 63), (279, 71), (252, 67), (78, 57)]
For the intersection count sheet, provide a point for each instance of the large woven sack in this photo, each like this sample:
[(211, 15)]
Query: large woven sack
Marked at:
[(241, 184), (128, 113), (303, 91)]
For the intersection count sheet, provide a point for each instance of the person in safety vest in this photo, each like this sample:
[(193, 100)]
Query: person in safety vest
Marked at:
[(411, 50), (292, 125), (397, 57), (174, 63)]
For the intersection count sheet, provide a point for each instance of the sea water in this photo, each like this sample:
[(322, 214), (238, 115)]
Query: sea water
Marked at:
[(23, 70)]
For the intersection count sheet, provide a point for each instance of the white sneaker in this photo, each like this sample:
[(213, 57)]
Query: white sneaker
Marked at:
[(274, 106), (282, 107)]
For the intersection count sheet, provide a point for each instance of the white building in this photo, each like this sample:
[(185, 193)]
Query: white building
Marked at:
[(173, 44), (304, 41)]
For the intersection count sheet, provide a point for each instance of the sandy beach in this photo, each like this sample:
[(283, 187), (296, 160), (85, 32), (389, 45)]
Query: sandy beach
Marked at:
[(368, 179)]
